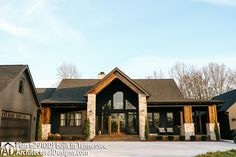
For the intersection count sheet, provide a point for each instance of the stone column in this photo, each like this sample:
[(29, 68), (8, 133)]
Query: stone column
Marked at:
[(91, 114), (45, 119), (211, 125), (189, 128), (142, 115)]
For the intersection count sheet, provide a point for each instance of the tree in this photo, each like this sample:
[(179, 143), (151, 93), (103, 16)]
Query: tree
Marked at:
[(156, 75), (87, 129), (67, 71), (203, 83)]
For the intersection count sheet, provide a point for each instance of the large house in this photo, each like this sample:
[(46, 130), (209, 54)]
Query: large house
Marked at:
[(19, 104), (227, 113), (115, 104)]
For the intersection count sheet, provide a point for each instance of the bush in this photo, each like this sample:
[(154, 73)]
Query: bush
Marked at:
[(234, 139), (159, 138), (204, 137), (65, 138), (51, 137), (147, 137), (87, 129), (193, 138), (74, 138), (39, 127), (170, 137), (217, 131), (182, 138)]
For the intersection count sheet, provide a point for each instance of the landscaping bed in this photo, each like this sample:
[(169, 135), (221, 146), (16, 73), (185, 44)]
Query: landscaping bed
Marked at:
[(229, 153)]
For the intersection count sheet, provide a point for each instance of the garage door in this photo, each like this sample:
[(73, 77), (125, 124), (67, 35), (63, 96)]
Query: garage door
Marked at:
[(14, 126)]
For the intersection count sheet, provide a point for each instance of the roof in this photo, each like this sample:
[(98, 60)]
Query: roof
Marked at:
[(74, 90), (8, 73), (114, 74), (228, 97), (45, 93)]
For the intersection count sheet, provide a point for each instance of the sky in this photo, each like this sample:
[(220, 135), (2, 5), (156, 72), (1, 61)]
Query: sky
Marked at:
[(137, 36)]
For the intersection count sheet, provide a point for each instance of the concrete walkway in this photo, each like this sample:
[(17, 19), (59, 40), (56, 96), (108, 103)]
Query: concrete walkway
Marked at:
[(160, 149)]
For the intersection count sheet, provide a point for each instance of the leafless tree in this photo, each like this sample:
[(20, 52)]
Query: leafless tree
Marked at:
[(203, 83), (67, 71), (156, 75)]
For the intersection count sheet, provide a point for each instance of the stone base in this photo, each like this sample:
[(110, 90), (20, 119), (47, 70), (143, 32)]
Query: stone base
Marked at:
[(211, 130), (189, 130), (46, 129)]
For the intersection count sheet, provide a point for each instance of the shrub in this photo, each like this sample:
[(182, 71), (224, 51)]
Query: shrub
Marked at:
[(65, 138), (234, 139), (193, 138), (217, 132), (147, 137), (74, 138), (159, 138), (87, 129), (39, 127), (170, 137), (182, 137), (204, 137), (51, 137)]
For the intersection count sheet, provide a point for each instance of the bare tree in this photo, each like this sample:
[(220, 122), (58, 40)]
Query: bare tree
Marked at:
[(156, 75), (67, 71), (204, 83)]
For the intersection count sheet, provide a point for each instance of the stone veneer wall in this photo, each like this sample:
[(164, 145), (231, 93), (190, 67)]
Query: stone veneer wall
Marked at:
[(189, 130), (46, 129), (142, 115), (211, 130), (91, 114)]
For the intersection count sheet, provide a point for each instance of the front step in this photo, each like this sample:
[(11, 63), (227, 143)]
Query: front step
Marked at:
[(116, 138)]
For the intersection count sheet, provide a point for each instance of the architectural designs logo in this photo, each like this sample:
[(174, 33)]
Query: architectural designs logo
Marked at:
[(7, 148)]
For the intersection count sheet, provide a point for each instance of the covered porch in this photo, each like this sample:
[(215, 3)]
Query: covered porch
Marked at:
[(187, 117)]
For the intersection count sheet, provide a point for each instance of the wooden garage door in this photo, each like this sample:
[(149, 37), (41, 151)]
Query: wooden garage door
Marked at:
[(14, 126)]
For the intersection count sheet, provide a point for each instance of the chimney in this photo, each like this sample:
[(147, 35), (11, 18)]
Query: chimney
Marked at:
[(101, 75)]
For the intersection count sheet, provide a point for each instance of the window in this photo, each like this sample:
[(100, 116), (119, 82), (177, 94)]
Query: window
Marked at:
[(129, 106), (71, 119), (169, 118), (107, 105), (21, 86), (154, 119), (78, 119), (118, 100), (63, 119)]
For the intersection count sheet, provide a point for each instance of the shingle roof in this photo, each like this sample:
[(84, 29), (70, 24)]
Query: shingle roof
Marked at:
[(45, 93), (8, 73), (74, 90), (228, 97)]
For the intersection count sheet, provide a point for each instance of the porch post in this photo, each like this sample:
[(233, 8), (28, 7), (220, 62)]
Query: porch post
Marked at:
[(45, 119), (189, 129), (212, 110), (142, 115), (91, 114)]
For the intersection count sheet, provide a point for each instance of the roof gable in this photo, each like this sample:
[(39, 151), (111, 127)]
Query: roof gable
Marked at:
[(228, 97), (117, 74), (8, 73)]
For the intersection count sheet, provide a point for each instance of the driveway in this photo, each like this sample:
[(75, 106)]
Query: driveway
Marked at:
[(162, 149)]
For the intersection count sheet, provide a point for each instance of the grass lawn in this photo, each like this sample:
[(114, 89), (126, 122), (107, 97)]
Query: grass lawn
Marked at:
[(229, 153)]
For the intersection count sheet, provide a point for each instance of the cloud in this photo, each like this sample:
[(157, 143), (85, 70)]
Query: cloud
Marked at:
[(231, 3)]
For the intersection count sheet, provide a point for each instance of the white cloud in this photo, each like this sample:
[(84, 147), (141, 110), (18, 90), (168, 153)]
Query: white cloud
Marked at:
[(231, 3)]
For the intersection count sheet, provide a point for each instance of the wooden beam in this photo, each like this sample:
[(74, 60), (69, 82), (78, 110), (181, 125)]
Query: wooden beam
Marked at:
[(188, 114), (103, 84), (45, 115), (212, 110)]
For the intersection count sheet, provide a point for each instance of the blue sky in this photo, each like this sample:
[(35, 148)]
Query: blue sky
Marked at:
[(138, 36)]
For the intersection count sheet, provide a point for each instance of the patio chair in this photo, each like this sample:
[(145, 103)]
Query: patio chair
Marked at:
[(162, 131), (170, 131)]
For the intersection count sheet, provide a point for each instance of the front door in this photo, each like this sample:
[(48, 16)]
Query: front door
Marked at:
[(117, 123)]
